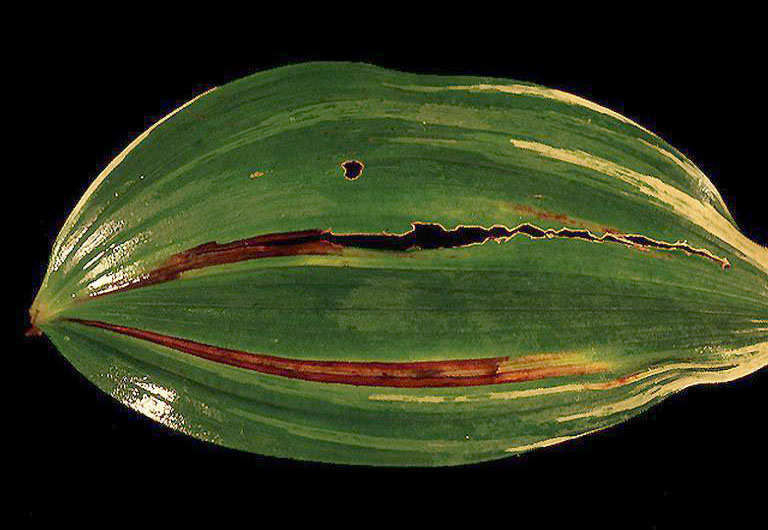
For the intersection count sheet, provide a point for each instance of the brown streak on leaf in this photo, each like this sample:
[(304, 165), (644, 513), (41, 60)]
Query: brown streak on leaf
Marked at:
[(209, 254), (419, 374), (526, 210)]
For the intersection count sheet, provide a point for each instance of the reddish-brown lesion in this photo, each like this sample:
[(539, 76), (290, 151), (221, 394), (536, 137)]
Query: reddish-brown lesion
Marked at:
[(209, 254), (419, 374), (526, 210)]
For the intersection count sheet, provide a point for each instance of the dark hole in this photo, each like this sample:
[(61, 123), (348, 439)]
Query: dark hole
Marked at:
[(352, 169), (423, 235)]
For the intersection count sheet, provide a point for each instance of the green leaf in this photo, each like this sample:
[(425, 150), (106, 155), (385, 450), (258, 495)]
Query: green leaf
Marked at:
[(605, 271)]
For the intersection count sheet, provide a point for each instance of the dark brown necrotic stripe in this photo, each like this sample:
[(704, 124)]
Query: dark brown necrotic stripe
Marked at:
[(464, 372)]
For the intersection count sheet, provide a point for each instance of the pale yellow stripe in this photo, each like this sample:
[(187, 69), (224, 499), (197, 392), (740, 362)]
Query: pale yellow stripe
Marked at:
[(407, 398), (410, 398), (700, 213)]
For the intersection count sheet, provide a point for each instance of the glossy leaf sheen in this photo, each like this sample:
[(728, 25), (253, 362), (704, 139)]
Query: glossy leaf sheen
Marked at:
[(264, 155)]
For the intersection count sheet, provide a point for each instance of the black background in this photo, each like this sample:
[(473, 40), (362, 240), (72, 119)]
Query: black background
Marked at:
[(85, 91)]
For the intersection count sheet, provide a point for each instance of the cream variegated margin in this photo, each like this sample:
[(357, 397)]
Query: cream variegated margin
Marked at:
[(550, 93), (701, 214), (757, 358), (74, 216), (530, 90), (692, 171), (66, 242), (702, 373), (572, 99), (736, 363), (547, 442)]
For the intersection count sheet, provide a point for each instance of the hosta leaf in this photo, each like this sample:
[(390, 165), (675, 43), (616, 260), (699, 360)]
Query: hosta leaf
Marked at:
[(342, 263)]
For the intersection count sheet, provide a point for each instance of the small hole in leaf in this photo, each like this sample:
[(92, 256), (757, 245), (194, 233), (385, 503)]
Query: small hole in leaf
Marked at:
[(352, 169)]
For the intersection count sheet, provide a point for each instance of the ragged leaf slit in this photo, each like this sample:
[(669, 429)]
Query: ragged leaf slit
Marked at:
[(432, 236), (422, 236)]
